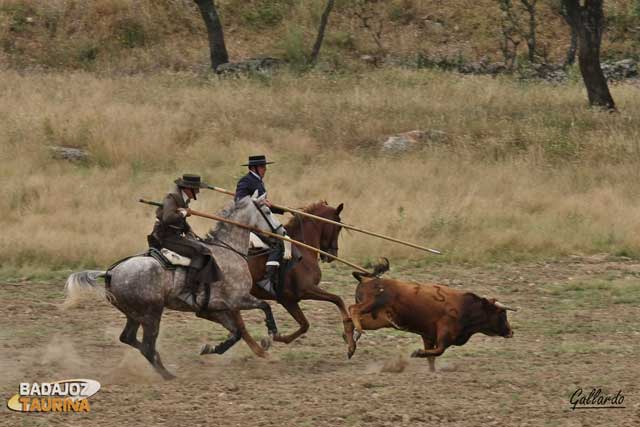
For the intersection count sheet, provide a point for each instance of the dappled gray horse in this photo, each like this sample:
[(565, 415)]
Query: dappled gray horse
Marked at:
[(141, 288)]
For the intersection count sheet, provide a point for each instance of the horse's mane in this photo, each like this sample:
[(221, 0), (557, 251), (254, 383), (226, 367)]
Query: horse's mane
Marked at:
[(226, 212), (295, 223)]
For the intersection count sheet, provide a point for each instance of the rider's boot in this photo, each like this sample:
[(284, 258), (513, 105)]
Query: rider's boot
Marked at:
[(270, 281), (188, 293)]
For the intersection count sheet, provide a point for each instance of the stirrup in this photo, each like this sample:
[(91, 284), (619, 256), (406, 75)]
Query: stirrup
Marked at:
[(189, 299), (267, 286)]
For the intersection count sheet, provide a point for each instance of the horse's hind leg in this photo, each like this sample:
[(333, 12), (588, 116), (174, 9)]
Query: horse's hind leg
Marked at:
[(295, 312), (151, 328), (129, 333), (253, 345), (318, 294)]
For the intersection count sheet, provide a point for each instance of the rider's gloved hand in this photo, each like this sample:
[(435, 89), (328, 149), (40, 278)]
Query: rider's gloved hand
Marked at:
[(184, 212)]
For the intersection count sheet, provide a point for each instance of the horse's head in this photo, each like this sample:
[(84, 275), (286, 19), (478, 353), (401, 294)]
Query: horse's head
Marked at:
[(245, 211), (319, 234), (329, 233)]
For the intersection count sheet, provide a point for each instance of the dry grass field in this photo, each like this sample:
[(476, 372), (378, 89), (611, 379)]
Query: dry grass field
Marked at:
[(524, 171)]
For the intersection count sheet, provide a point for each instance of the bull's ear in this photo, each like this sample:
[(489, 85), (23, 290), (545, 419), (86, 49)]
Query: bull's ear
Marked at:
[(357, 275), (339, 208)]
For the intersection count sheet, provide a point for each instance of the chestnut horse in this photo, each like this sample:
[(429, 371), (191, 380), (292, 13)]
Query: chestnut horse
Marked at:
[(301, 282)]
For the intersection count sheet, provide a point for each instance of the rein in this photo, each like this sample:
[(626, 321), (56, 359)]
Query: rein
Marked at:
[(214, 241), (301, 220)]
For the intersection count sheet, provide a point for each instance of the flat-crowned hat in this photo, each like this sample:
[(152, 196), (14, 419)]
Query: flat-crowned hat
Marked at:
[(190, 181), (257, 161)]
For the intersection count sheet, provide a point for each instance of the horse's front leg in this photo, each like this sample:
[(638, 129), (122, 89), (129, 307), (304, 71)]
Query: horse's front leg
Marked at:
[(226, 319), (249, 302), (233, 322)]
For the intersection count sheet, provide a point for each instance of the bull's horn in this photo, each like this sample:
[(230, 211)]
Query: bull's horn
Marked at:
[(504, 307)]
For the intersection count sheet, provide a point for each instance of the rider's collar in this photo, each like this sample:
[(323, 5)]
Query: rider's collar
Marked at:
[(184, 197), (256, 175)]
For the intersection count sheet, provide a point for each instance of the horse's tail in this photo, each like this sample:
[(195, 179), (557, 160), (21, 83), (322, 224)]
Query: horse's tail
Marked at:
[(83, 284)]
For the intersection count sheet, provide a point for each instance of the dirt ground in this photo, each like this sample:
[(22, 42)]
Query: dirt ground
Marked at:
[(578, 327)]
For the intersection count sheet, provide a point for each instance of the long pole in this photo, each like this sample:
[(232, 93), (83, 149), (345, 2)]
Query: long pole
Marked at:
[(266, 233), (347, 226)]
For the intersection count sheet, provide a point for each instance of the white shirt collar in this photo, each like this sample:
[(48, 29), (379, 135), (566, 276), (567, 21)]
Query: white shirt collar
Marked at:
[(185, 197), (256, 175)]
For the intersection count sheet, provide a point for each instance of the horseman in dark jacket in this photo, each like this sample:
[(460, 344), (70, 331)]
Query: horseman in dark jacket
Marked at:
[(248, 185), (172, 231)]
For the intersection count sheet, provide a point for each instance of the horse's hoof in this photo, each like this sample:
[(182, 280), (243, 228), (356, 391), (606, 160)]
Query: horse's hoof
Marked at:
[(206, 349), (168, 376), (350, 353), (265, 343), (356, 335), (416, 353)]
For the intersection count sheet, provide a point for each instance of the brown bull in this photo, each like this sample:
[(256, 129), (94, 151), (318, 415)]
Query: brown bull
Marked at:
[(440, 315)]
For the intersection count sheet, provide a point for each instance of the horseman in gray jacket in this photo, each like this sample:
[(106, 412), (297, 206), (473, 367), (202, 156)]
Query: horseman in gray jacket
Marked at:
[(172, 231), (248, 185)]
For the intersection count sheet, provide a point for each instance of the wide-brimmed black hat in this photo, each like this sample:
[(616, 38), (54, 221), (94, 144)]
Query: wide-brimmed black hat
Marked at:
[(257, 161), (190, 181)]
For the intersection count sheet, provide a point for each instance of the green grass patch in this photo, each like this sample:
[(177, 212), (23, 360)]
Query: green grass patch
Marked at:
[(588, 347), (596, 293), (262, 14)]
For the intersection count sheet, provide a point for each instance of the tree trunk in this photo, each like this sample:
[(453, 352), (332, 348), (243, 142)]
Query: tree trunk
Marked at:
[(530, 37), (217, 48), (588, 23), (573, 48), (315, 52)]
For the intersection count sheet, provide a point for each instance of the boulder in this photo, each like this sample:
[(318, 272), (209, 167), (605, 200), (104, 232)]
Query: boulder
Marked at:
[(620, 70), (249, 66), (69, 153), (412, 140)]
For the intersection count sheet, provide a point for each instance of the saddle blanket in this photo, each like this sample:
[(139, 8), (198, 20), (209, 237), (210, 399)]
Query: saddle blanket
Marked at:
[(174, 258)]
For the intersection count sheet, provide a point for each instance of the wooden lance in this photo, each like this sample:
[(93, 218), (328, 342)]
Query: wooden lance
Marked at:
[(341, 224)]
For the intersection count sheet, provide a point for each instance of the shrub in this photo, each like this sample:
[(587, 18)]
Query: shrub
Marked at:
[(266, 13), (131, 32), (295, 49)]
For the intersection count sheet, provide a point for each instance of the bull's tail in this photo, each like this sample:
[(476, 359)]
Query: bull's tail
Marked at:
[(378, 269), (83, 284)]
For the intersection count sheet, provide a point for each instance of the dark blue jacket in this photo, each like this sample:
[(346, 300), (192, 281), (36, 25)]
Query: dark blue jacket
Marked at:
[(248, 184)]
